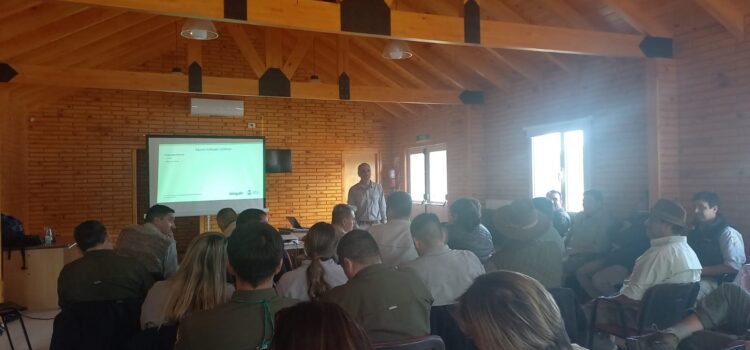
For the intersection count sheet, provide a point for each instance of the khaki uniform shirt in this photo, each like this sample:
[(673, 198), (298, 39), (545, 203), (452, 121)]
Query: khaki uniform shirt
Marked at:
[(102, 275), (155, 250), (239, 324), (389, 304)]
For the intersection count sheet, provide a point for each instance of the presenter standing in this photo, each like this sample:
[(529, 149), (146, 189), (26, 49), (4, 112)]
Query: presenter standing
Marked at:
[(367, 198)]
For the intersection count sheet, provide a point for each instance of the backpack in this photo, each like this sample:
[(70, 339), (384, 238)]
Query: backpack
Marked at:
[(12, 230)]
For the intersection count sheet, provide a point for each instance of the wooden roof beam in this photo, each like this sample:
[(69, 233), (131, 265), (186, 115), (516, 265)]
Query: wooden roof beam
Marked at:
[(574, 18), (373, 52), (302, 45), (77, 41), (167, 82), (632, 13), (245, 45), (321, 16), (730, 13), (11, 7), (35, 17)]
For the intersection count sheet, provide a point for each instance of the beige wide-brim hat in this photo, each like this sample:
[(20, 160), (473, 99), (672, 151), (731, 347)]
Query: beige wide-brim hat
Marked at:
[(669, 211), (520, 221)]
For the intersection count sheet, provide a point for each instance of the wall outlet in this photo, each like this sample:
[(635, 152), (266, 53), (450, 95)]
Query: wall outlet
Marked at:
[(251, 125)]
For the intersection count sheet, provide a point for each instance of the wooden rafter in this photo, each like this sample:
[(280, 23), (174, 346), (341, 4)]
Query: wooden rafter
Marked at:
[(572, 17), (274, 48), (43, 14), (730, 13), (166, 82), (424, 54), (478, 61), (321, 16), (500, 11), (245, 45), (81, 40), (11, 7), (56, 31), (373, 52), (302, 45), (194, 52), (632, 13)]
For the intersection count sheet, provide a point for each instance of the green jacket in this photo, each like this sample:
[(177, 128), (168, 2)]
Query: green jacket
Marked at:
[(390, 304), (241, 323), (102, 275)]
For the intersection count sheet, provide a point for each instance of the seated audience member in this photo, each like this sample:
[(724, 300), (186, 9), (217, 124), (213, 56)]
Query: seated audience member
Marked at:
[(342, 219), (152, 243), (101, 274), (246, 321), (727, 307), (505, 310), (388, 303), (252, 215), (529, 243), (465, 230), (319, 274), (669, 260), (719, 247), (393, 238), (318, 326), (560, 218), (227, 220), (587, 239), (603, 277), (199, 284), (447, 273)]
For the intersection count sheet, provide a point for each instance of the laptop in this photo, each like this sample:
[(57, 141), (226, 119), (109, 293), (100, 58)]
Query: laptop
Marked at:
[(295, 224)]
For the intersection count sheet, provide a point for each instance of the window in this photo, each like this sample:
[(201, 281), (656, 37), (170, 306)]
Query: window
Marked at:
[(558, 161), (428, 174)]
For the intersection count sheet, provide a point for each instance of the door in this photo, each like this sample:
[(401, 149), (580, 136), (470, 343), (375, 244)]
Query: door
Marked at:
[(350, 161)]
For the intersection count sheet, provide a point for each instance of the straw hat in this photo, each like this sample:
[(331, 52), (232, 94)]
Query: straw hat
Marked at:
[(520, 221), (669, 211)]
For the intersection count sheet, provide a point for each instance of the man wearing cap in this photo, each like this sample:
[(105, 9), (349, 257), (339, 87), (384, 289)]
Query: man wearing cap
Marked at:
[(669, 260), (529, 243)]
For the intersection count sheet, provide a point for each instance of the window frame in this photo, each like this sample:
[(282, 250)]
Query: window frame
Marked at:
[(425, 150), (583, 124)]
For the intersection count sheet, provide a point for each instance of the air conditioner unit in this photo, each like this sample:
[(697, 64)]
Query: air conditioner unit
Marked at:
[(223, 108)]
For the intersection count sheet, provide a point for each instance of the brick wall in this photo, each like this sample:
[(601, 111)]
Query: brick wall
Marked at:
[(13, 141), (460, 129), (713, 70), (609, 91), (81, 151)]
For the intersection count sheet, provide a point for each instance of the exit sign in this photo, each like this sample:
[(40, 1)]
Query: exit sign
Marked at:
[(423, 137)]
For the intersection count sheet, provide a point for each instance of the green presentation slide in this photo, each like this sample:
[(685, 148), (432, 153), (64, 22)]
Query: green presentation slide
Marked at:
[(210, 171)]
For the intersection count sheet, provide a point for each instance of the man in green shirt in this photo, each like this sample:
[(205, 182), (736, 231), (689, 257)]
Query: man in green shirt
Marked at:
[(247, 320), (101, 274), (390, 304)]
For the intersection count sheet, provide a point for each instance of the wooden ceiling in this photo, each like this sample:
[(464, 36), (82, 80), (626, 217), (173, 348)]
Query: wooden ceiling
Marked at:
[(81, 40)]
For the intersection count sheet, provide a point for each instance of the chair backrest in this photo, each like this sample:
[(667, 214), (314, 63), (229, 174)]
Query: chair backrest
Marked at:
[(430, 342), (571, 312), (443, 324), (96, 325), (664, 305)]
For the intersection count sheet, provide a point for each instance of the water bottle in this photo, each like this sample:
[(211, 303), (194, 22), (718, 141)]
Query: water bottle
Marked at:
[(49, 237)]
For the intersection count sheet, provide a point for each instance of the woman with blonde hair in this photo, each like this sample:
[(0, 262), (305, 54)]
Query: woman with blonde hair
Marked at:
[(506, 310), (319, 274), (199, 284)]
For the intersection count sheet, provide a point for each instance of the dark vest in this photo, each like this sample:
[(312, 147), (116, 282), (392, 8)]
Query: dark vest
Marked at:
[(704, 240)]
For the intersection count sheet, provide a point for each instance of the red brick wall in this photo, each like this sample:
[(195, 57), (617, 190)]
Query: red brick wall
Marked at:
[(612, 93), (460, 129), (81, 151), (13, 142), (713, 70)]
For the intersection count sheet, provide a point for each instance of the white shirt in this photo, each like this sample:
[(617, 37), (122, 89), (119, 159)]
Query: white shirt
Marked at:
[(293, 284), (447, 273), (669, 260), (368, 201), (732, 248), (394, 241)]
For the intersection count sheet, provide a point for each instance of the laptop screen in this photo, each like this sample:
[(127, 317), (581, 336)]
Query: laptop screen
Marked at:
[(293, 221)]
